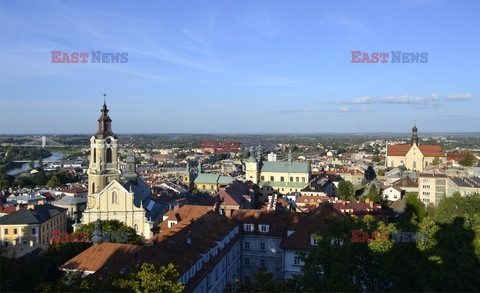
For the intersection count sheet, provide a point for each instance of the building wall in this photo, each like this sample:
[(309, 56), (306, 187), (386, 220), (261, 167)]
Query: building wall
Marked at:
[(293, 264), (253, 258), (432, 189)]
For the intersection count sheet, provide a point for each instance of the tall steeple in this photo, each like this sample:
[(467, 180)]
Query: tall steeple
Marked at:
[(103, 166), (414, 134), (104, 123)]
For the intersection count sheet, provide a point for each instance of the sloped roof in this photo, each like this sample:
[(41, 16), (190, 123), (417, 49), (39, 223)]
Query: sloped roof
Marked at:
[(38, 215), (427, 150), (212, 178), (405, 182), (285, 167), (71, 200)]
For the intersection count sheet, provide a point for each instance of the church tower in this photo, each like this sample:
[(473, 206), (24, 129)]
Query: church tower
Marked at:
[(103, 166), (252, 167), (414, 135)]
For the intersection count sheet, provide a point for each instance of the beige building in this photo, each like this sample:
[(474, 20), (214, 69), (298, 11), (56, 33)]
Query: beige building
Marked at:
[(432, 187), (464, 185), (31, 227), (281, 176), (114, 194), (413, 156)]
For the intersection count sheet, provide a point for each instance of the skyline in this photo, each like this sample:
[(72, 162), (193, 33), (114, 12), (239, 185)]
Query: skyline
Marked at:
[(240, 68)]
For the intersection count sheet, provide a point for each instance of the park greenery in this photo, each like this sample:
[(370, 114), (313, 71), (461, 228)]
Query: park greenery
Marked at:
[(51, 179)]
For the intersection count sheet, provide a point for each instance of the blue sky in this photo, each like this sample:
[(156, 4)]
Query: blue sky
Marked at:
[(240, 66)]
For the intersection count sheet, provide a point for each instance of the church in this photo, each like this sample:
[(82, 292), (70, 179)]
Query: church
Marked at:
[(414, 156), (282, 176), (115, 194)]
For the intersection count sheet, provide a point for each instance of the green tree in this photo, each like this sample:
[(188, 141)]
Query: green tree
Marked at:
[(436, 161), (114, 226), (374, 194), (376, 159), (148, 279), (414, 207), (40, 161), (32, 164), (468, 161), (346, 190), (54, 182)]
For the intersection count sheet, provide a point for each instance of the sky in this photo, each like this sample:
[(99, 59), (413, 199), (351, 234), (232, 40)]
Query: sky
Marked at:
[(240, 66)]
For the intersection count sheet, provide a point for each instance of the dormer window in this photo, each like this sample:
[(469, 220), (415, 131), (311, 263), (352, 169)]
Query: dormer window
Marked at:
[(313, 241), (248, 227), (171, 224), (263, 228)]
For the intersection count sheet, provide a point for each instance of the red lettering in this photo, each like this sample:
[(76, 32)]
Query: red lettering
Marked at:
[(355, 58), (83, 56), (205, 145), (374, 237), (215, 146), (65, 58), (365, 58), (55, 59), (226, 146), (374, 57), (74, 57), (365, 237), (384, 56), (385, 236), (55, 235), (84, 236), (74, 237), (235, 146), (355, 234)]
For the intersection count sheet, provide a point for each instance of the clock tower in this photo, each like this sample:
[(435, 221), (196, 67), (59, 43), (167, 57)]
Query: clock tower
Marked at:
[(103, 166)]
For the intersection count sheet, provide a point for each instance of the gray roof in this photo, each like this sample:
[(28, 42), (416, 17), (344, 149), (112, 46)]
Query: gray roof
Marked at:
[(38, 215), (71, 200), (212, 178), (285, 167), (142, 195)]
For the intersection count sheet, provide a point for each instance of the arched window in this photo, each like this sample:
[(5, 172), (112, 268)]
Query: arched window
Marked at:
[(94, 155), (296, 178), (114, 197), (135, 227), (262, 178), (109, 155), (414, 164), (93, 187)]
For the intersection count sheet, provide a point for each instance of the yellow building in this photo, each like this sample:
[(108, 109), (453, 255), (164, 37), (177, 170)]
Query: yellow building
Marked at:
[(413, 156), (117, 195), (31, 226), (204, 182), (281, 176)]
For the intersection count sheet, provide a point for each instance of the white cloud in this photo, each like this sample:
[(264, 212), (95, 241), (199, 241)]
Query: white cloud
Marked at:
[(459, 97)]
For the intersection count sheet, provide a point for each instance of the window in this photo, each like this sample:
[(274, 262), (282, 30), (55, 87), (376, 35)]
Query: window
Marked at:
[(109, 155), (114, 197), (414, 164), (247, 280), (313, 241), (6, 231), (94, 155), (262, 178), (291, 179), (263, 228), (262, 262), (247, 262), (93, 187), (247, 245), (296, 261), (248, 227), (33, 230), (282, 178), (262, 247), (303, 179), (15, 231), (135, 227), (296, 179), (271, 178)]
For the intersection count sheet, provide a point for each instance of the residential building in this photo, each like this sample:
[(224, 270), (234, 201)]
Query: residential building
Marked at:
[(203, 181), (432, 187), (30, 227), (464, 185), (391, 193)]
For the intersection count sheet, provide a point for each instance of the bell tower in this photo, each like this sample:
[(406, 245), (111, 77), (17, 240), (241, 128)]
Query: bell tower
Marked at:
[(414, 134), (103, 166)]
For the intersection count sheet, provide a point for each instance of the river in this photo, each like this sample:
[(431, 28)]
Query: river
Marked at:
[(54, 157)]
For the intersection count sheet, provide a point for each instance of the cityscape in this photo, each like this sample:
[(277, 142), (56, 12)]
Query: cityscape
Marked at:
[(239, 147)]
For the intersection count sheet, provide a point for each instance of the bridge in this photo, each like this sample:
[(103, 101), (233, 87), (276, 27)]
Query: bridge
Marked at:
[(43, 142)]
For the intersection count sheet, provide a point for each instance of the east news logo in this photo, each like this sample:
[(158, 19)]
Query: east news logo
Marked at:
[(397, 57), (97, 57)]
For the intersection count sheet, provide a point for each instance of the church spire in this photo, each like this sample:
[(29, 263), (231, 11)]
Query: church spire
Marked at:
[(414, 134), (104, 122)]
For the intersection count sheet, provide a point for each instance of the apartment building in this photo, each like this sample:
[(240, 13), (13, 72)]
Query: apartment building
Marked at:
[(432, 187)]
